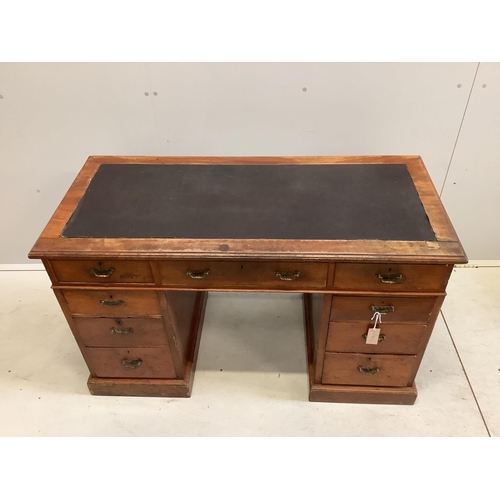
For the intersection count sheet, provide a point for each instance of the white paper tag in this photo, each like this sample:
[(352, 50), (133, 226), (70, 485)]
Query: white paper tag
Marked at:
[(372, 336)]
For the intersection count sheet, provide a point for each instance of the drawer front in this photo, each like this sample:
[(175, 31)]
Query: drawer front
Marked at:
[(234, 274), (392, 277), (366, 369), (121, 332), (393, 338), (114, 303), (134, 362), (102, 271), (405, 309)]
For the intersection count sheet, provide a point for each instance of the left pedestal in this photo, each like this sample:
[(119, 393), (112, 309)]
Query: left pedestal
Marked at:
[(136, 339)]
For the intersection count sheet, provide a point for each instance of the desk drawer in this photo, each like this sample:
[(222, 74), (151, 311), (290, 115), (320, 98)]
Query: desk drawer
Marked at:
[(134, 362), (365, 369), (393, 339), (236, 274), (121, 332), (102, 271), (392, 277), (114, 303), (399, 309)]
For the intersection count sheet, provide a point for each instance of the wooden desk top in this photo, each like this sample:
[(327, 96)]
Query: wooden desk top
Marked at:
[(307, 208)]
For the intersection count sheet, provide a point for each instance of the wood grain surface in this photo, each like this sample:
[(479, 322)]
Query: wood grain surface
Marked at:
[(129, 303), (406, 309), (394, 338), (121, 332), (344, 369), (102, 271), (406, 277)]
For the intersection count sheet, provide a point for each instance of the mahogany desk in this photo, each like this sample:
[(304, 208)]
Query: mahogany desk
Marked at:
[(137, 242)]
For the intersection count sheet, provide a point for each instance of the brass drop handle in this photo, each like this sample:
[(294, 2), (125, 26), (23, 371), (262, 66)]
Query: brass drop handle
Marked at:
[(382, 309), (102, 273), (122, 331), (390, 278), (131, 364), (368, 371), (381, 337), (290, 276), (198, 275), (112, 302)]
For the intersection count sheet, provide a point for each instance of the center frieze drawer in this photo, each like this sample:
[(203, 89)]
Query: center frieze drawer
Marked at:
[(233, 274), (393, 309)]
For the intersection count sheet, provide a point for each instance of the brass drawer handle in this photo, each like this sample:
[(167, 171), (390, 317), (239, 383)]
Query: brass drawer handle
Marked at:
[(382, 309), (390, 278), (102, 273), (131, 364), (125, 331), (368, 371), (288, 276), (381, 337), (198, 275), (112, 302)]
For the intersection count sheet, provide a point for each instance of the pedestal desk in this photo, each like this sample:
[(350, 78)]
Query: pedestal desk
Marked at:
[(137, 243)]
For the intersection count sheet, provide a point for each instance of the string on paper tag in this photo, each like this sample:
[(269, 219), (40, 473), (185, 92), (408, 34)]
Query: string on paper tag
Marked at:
[(373, 333), (377, 317)]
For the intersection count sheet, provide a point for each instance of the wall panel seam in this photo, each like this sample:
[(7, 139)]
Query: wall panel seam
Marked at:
[(459, 130)]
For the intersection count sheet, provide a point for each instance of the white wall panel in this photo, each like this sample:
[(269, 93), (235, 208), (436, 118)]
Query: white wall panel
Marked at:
[(472, 190), (348, 108), (52, 117)]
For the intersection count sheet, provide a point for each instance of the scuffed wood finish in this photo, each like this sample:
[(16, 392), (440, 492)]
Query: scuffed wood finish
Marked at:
[(410, 310), (426, 252), (121, 332), (438, 217), (96, 271), (152, 362), (344, 369), (363, 394), (129, 303), (394, 338), (162, 388), (447, 248)]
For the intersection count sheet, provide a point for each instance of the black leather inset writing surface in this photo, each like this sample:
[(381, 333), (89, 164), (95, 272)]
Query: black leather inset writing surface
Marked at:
[(317, 202)]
